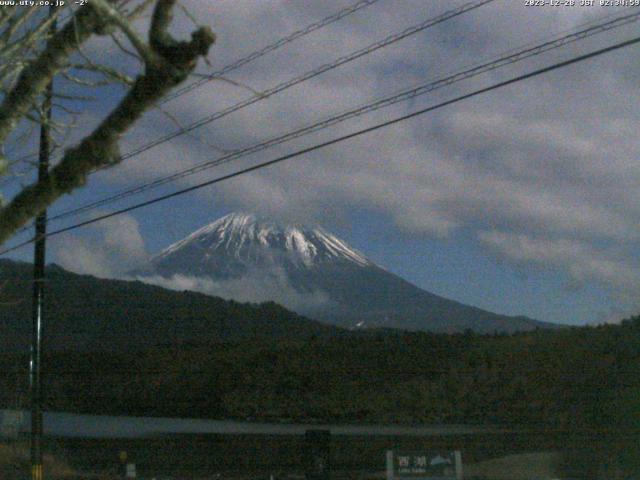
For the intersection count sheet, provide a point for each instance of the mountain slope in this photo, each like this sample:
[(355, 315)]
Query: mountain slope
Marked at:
[(86, 313), (308, 262)]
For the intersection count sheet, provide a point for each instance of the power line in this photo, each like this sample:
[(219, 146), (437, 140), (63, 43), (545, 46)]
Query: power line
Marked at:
[(270, 48), (249, 58), (336, 140), (309, 75), (306, 76), (403, 95)]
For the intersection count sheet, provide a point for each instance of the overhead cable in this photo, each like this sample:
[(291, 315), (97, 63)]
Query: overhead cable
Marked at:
[(403, 95), (310, 74), (270, 48), (336, 140)]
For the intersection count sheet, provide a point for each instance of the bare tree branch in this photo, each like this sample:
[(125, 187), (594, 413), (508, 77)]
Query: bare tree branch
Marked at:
[(112, 15), (14, 22), (124, 49), (235, 83), (171, 63), (36, 76), (28, 39), (193, 135), (138, 11), (110, 75)]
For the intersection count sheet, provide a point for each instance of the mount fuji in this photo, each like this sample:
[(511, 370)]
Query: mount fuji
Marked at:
[(311, 271)]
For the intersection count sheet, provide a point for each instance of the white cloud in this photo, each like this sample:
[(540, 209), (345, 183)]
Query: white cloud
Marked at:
[(110, 249), (255, 287), (543, 172), (582, 261)]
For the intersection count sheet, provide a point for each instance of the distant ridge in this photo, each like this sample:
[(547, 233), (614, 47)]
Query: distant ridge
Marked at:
[(86, 313), (310, 261)]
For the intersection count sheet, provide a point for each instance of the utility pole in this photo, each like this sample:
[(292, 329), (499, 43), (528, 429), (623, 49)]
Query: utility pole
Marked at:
[(38, 289)]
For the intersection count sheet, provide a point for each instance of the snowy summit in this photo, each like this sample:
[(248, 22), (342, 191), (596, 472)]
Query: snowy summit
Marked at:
[(249, 238), (313, 272)]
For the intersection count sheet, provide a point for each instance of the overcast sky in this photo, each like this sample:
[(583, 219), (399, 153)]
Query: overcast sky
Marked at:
[(524, 200)]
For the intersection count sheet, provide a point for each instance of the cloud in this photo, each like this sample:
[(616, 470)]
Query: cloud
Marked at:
[(255, 286), (582, 261), (543, 172), (522, 166), (109, 249)]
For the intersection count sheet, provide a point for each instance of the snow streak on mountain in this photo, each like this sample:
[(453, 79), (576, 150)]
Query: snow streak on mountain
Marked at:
[(249, 239), (309, 270)]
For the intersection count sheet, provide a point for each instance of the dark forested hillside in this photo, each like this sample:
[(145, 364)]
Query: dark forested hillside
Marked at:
[(576, 378), (129, 348), (86, 313)]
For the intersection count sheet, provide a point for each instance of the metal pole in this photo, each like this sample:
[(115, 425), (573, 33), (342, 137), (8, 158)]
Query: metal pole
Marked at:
[(38, 292)]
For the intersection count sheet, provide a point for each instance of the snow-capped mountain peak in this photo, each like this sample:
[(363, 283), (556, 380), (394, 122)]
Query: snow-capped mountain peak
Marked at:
[(248, 237), (309, 270)]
